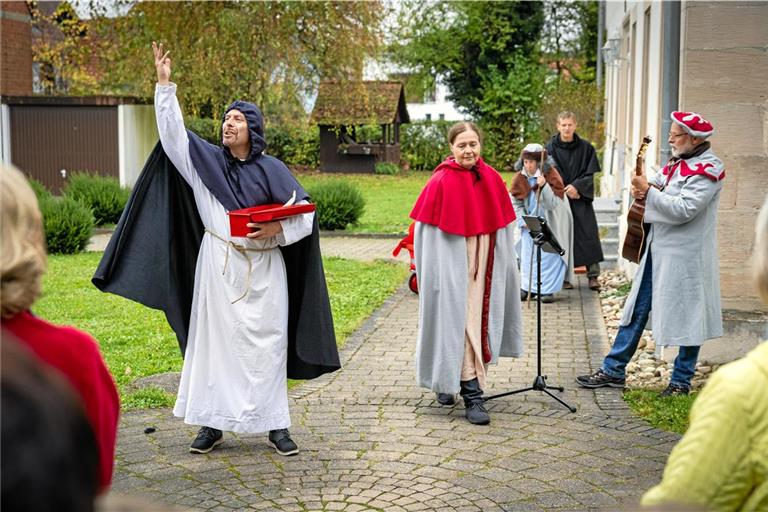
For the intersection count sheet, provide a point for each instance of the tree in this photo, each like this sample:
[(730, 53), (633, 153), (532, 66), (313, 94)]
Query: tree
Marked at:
[(569, 38), (60, 48), (488, 54), (271, 53)]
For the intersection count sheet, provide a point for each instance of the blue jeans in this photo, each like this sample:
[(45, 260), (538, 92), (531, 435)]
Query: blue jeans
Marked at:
[(628, 337)]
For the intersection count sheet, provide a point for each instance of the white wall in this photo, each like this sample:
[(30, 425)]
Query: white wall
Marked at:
[(441, 105), (627, 117), (5, 134), (137, 135)]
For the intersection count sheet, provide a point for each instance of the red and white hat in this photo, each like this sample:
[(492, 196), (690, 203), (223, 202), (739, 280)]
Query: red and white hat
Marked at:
[(693, 123)]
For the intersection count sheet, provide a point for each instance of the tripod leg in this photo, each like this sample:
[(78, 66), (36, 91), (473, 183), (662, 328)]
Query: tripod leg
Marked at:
[(569, 407), (559, 388)]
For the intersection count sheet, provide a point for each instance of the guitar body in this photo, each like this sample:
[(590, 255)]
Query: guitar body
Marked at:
[(634, 241)]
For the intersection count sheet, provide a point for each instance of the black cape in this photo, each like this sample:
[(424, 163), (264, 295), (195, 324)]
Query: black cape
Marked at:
[(152, 255), (577, 163)]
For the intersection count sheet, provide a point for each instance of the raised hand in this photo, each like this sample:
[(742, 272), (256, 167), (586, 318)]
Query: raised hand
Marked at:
[(162, 64)]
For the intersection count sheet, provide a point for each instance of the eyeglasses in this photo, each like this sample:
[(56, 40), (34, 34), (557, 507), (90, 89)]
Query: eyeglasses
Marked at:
[(676, 135)]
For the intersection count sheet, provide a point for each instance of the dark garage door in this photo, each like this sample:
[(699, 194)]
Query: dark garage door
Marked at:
[(47, 139)]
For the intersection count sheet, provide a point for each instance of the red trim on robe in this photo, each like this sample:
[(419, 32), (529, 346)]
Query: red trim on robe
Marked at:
[(458, 203), (484, 341), (698, 169)]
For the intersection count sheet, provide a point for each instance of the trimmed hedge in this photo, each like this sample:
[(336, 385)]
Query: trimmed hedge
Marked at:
[(295, 146), (338, 204), (68, 224), (102, 194)]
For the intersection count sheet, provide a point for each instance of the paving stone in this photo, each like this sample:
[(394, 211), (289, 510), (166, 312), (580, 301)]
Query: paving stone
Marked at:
[(371, 439)]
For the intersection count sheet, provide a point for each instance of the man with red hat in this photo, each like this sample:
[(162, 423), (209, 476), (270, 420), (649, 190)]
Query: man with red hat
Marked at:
[(678, 276)]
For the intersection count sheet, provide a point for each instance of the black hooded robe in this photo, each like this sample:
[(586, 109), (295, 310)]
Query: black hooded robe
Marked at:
[(152, 255), (577, 163)]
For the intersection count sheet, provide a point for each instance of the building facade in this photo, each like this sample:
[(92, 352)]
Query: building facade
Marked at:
[(710, 58)]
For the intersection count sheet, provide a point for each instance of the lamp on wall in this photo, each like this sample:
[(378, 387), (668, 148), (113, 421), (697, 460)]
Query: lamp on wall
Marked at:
[(610, 50)]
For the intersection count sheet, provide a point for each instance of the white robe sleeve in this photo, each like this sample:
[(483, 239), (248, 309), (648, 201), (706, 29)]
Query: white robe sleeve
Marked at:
[(295, 228), (678, 209), (173, 135)]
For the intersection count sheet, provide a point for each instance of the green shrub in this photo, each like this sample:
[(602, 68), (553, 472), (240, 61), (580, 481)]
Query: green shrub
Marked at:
[(102, 194), (386, 168), (424, 144), (294, 145), (208, 129), (39, 189), (67, 223), (338, 203)]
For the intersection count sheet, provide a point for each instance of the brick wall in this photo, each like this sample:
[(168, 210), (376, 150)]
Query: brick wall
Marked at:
[(16, 45)]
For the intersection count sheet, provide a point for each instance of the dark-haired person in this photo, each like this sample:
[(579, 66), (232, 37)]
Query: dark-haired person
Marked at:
[(50, 457), (469, 286), (256, 308)]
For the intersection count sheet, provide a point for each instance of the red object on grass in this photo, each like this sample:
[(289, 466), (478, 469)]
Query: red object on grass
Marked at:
[(264, 213)]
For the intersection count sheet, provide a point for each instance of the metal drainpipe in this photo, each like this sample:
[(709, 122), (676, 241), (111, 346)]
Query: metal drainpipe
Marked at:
[(670, 15), (600, 29)]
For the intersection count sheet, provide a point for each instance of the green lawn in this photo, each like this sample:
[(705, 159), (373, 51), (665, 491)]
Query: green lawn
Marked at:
[(136, 341), (666, 413), (388, 198)]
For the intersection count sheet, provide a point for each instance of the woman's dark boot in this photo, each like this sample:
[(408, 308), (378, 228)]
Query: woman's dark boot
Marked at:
[(473, 403), (445, 398)]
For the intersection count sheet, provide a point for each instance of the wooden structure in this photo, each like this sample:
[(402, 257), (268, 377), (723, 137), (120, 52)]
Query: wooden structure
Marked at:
[(49, 137), (359, 124)]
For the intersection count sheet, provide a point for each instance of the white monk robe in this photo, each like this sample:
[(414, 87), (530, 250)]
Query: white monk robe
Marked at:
[(234, 373)]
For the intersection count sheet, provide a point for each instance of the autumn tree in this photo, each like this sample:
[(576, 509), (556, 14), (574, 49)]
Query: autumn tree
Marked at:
[(271, 53), (61, 49)]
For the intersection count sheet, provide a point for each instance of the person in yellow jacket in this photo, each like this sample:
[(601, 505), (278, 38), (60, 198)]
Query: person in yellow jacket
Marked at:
[(722, 461)]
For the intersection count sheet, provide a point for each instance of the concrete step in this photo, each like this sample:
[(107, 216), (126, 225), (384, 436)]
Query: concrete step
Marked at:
[(610, 246), (608, 229)]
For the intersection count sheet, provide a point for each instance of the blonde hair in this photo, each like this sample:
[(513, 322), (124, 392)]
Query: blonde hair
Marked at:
[(760, 255), (566, 114), (22, 259)]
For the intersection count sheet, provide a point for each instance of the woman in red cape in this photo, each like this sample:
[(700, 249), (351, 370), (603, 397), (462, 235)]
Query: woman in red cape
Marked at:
[(469, 303)]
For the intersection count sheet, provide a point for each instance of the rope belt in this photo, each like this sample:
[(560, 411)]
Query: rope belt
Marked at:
[(241, 249)]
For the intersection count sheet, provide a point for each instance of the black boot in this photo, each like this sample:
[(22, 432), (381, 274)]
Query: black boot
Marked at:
[(445, 398), (473, 402)]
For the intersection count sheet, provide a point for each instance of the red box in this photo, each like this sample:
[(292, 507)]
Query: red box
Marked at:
[(264, 213)]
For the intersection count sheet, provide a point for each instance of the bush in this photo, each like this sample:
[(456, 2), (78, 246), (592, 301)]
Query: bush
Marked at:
[(386, 168), (67, 223), (39, 189), (102, 194), (208, 129), (424, 144), (294, 146), (338, 203)]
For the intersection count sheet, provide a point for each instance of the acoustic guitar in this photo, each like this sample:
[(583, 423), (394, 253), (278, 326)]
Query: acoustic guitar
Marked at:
[(634, 241)]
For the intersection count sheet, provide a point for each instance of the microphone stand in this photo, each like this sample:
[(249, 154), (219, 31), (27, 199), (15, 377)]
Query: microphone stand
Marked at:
[(542, 236)]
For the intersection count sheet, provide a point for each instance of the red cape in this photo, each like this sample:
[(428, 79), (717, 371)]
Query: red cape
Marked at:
[(76, 355), (458, 203)]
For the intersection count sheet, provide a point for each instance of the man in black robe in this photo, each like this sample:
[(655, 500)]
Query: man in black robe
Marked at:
[(577, 162)]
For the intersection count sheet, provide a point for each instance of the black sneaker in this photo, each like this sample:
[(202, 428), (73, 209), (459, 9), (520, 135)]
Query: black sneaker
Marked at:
[(445, 398), (281, 440), (477, 414), (600, 379), (675, 389), (207, 439), (548, 298)]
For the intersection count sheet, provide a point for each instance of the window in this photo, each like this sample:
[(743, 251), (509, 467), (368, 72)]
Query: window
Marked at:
[(442, 117), (428, 117)]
